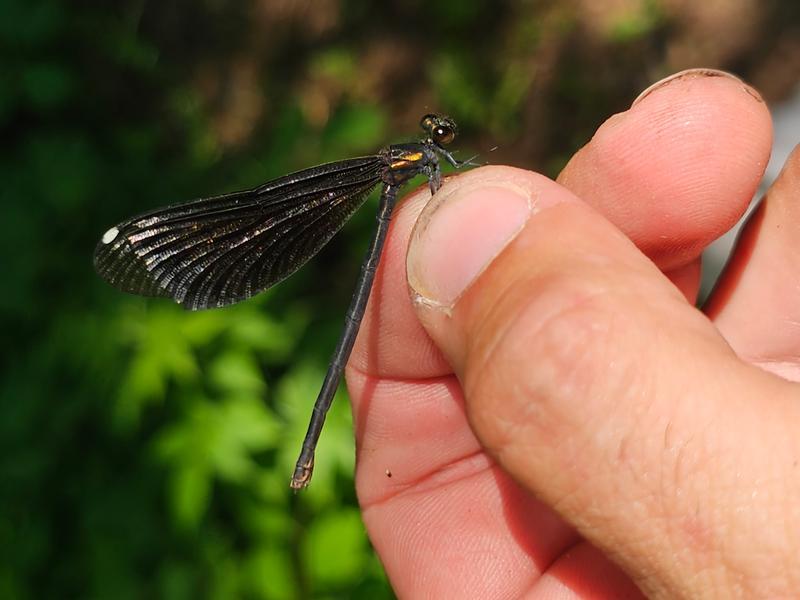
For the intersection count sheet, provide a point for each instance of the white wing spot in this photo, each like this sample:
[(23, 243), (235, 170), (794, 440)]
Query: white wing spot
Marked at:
[(110, 235)]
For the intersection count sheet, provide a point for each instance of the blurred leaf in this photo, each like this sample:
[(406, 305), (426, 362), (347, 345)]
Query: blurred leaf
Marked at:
[(515, 84), (236, 372), (216, 440), (258, 330), (10, 95), (455, 13), (356, 129), (267, 574), (187, 105), (26, 24), (64, 169), (161, 355), (198, 328), (48, 85), (268, 521), (337, 63), (144, 383), (335, 550), (635, 23), (458, 87), (10, 585), (164, 339), (24, 241), (224, 575), (176, 581), (245, 426), (191, 488), (128, 49)]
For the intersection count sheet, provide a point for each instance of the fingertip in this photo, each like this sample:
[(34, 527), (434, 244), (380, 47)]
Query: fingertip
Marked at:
[(464, 227), (696, 73), (463, 231), (679, 168)]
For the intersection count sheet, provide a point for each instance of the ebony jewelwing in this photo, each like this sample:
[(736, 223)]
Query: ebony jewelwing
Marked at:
[(217, 251)]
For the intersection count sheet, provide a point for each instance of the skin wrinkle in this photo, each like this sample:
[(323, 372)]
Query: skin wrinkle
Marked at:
[(629, 436), (765, 488), (475, 343), (482, 551), (681, 540), (481, 362), (789, 560), (373, 378), (388, 384), (601, 578), (679, 468), (705, 538), (676, 448), (518, 422), (564, 308), (578, 541), (563, 441), (585, 522), (432, 480), (645, 545), (649, 497), (381, 432), (675, 526), (730, 567)]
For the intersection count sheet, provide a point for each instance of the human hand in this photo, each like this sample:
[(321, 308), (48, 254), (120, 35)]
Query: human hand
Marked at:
[(565, 409)]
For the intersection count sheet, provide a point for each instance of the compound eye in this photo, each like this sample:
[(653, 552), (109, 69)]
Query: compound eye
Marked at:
[(428, 122), (443, 135)]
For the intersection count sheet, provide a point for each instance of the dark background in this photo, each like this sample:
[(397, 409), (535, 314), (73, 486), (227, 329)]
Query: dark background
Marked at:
[(145, 451)]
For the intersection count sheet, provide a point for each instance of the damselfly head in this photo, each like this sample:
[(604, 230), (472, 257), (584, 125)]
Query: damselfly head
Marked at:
[(440, 129)]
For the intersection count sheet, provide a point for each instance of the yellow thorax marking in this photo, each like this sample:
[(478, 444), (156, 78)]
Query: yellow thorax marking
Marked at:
[(406, 160)]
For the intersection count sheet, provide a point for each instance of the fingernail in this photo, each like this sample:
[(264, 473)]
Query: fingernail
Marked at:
[(459, 233), (695, 73)]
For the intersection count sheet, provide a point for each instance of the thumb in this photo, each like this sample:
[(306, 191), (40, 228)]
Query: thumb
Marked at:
[(594, 383)]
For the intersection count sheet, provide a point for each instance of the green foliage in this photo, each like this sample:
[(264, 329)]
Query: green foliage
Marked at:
[(637, 23), (335, 548), (147, 450)]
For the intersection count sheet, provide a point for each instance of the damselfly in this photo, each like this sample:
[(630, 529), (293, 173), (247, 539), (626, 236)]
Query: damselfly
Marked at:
[(217, 251)]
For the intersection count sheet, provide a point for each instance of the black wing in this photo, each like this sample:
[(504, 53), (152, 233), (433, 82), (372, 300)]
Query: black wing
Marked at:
[(217, 251)]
